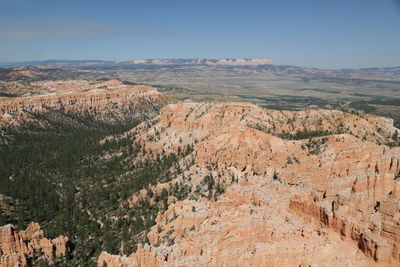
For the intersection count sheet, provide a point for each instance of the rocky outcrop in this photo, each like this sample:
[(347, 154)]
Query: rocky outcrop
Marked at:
[(376, 232), (189, 123), (142, 257), (260, 197), (246, 227), (108, 97), (20, 248)]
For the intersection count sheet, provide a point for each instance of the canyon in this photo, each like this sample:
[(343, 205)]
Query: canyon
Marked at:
[(320, 201), (251, 186)]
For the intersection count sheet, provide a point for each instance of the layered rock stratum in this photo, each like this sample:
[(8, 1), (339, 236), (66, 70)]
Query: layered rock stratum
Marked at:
[(271, 188), (21, 248), (106, 99)]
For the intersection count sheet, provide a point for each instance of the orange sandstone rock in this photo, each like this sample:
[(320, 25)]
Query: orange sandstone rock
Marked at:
[(17, 247), (325, 201), (102, 97)]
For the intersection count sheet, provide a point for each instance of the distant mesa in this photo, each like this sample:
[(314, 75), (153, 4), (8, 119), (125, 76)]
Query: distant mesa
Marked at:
[(155, 62), (242, 62), (210, 62)]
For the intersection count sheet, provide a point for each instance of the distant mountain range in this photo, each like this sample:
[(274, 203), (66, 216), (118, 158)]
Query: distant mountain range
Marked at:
[(150, 63), (87, 63)]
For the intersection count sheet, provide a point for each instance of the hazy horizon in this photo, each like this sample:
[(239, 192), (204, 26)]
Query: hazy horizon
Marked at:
[(11, 64)]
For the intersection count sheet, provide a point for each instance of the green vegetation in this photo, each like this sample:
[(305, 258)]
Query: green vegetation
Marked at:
[(64, 178), (210, 186), (275, 176), (314, 145), (5, 94), (304, 135), (395, 139)]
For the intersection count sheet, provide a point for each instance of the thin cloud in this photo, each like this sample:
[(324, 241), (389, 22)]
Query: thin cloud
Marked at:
[(65, 28)]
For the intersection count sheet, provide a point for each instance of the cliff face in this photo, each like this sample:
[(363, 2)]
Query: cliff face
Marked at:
[(20, 248), (189, 123), (257, 198), (109, 98)]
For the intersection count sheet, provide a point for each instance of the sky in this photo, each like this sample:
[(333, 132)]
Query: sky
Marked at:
[(313, 33)]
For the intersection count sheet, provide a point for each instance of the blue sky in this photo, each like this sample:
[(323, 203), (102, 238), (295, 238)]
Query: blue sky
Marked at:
[(315, 33)]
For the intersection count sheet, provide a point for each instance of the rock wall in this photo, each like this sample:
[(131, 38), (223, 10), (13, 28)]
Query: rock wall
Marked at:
[(19, 248)]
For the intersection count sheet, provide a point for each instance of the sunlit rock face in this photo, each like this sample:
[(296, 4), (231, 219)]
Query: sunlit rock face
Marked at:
[(102, 99), (20, 248), (331, 198)]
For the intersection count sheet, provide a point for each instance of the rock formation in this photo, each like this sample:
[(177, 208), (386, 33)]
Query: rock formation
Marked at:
[(261, 196), (109, 97), (21, 248)]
